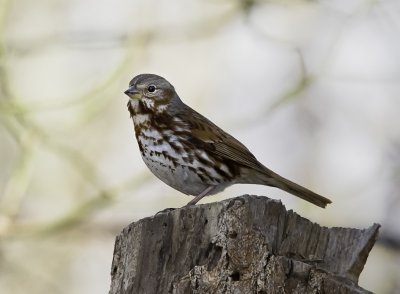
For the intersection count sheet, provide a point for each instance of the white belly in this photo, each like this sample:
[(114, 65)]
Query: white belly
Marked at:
[(175, 170)]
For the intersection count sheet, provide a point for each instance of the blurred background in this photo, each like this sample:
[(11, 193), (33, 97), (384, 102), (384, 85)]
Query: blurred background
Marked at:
[(311, 87)]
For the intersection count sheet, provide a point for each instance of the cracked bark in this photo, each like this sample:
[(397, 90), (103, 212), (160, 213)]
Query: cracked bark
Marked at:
[(247, 244)]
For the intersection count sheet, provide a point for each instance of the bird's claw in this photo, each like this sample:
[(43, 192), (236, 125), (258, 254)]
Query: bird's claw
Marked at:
[(165, 210)]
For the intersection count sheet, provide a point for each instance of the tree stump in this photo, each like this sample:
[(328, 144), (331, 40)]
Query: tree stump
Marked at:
[(247, 244)]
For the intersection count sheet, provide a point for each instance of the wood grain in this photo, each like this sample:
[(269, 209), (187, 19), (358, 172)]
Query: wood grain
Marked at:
[(248, 244)]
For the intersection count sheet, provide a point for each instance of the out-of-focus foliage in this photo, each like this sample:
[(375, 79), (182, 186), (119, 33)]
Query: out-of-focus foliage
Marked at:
[(311, 87)]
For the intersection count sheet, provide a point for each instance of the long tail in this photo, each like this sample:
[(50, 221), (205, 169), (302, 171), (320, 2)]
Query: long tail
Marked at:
[(272, 179)]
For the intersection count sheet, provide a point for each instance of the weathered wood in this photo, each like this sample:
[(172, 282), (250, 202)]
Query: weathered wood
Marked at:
[(247, 244)]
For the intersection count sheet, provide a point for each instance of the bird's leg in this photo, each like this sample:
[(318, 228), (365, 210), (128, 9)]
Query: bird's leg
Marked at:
[(201, 195)]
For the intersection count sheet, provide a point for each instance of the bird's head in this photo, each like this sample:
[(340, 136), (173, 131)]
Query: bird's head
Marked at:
[(150, 91)]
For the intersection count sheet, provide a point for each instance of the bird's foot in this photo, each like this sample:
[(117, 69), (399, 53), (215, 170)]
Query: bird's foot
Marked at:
[(166, 210)]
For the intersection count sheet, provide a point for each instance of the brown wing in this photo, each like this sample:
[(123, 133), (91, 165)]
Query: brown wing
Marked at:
[(218, 142)]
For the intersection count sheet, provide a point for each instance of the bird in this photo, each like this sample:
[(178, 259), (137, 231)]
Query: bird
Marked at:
[(190, 153)]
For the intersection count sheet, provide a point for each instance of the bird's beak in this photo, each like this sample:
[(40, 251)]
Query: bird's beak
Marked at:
[(132, 92)]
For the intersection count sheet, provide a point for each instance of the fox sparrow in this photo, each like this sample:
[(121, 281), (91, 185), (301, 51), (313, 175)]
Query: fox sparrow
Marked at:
[(190, 153)]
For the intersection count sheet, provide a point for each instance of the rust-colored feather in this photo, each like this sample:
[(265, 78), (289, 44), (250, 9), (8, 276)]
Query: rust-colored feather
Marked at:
[(220, 142)]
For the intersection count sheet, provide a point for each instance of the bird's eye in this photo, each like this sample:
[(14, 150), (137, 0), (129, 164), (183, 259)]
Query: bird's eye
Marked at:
[(151, 88)]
